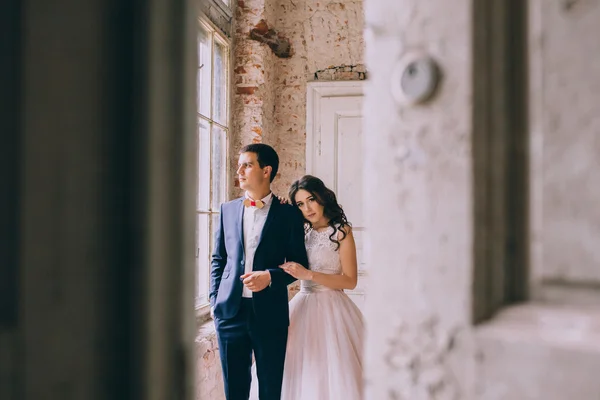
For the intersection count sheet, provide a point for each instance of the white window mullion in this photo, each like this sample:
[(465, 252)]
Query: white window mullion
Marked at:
[(216, 139)]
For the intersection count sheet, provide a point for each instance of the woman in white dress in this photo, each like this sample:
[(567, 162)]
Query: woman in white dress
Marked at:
[(324, 350)]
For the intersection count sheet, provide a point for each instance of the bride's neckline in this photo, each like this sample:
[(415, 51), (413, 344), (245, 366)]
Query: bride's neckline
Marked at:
[(322, 230)]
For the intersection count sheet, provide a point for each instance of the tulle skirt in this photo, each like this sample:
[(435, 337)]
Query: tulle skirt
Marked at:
[(324, 351)]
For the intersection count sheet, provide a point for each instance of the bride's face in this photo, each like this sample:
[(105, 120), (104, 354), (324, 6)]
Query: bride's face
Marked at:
[(311, 209)]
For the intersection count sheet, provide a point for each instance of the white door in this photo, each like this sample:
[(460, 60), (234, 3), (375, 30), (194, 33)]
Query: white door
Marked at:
[(333, 154)]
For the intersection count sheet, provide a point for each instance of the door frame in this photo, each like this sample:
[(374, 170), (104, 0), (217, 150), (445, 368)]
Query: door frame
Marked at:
[(315, 93)]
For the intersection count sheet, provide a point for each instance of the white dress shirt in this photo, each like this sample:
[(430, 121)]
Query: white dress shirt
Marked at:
[(253, 223)]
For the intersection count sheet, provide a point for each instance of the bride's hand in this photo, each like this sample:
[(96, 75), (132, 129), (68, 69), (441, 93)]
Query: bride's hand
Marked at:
[(282, 200), (297, 271)]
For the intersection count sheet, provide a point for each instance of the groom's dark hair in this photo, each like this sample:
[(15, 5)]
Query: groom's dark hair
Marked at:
[(265, 155)]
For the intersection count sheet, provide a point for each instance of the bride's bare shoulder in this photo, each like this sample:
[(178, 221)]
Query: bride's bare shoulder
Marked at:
[(344, 232)]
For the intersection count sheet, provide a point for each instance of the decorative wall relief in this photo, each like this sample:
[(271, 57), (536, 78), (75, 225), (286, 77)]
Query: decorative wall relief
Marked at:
[(416, 359)]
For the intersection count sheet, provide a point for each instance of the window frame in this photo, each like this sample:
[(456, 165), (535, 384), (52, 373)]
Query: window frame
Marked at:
[(500, 137), (216, 36), (225, 8)]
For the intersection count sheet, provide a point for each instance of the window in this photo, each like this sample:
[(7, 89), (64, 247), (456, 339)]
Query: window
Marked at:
[(213, 134)]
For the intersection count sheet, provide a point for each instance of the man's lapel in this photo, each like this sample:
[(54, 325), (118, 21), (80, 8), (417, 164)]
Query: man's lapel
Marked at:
[(240, 221), (270, 217)]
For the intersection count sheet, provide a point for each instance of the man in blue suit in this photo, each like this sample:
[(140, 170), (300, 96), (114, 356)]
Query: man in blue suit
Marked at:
[(248, 293)]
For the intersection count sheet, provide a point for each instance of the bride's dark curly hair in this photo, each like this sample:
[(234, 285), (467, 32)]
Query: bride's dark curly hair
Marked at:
[(325, 197)]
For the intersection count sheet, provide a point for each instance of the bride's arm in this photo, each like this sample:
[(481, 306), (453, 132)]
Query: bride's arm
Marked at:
[(347, 280)]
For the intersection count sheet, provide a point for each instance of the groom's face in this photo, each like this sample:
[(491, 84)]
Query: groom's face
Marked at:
[(250, 174)]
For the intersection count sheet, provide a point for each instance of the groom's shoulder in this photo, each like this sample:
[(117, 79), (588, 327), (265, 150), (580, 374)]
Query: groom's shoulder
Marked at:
[(231, 203), (287, 207), (290, 210)]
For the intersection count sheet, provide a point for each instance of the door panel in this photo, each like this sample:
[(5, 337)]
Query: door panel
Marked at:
[(334, 154)]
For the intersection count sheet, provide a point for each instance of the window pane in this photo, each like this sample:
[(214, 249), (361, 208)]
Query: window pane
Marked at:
[(221, 72), (202, 259), (219, 167), (204, 69), (203, 165)]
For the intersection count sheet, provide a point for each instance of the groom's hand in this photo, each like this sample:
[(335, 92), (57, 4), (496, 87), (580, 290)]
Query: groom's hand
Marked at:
[(257, 280)]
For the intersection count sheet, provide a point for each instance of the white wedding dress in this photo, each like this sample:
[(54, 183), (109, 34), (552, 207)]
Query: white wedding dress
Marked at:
[(324, 351)]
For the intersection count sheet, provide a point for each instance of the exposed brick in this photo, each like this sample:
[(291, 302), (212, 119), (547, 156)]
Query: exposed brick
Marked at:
[(246, 89), (347, 76), (326, 75), (262, 27), (321, 35), (360, 68), (341, 73)]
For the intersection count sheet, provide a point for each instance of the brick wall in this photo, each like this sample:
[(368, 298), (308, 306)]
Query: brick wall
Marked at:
[(269, 102)]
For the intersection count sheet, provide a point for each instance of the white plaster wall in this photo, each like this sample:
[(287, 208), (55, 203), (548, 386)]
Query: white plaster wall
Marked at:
[(419, 186), (570, 129)]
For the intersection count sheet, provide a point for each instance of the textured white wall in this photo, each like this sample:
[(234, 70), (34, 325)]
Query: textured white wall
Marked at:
[(418, 183)]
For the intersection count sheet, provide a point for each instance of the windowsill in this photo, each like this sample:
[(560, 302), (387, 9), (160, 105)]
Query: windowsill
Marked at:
[(561, 327), (205, 326), (203, 315), (206, 331), (539, 351)]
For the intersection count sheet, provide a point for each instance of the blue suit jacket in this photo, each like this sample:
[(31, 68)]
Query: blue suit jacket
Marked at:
[(282, 240)]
